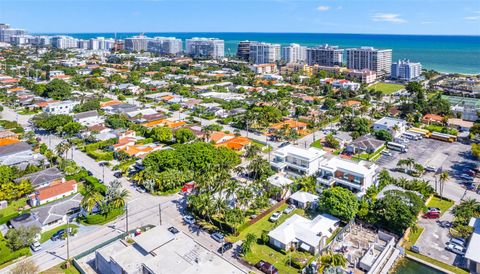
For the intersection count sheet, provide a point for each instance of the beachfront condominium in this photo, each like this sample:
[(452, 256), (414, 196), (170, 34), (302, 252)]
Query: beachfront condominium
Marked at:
[(165, 45), (6, 32), (243, 50), (406, 70), (64, 42), (136, 43), (264, 53), (294, 53), (205, 47), (100, 43), (325, 55), (378, 60)]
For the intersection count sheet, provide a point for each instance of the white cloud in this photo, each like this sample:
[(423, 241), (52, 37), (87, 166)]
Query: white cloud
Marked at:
[(339, 7), (323, 8), (388, 17), (472, 18)]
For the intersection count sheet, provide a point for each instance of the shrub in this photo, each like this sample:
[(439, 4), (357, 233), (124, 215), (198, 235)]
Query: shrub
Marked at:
[(97, 219)]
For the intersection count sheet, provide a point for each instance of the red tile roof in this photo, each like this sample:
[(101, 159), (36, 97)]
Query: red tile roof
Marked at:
[(55, 189)]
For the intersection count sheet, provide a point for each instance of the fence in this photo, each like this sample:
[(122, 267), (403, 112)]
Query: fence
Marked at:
[(266, 212)]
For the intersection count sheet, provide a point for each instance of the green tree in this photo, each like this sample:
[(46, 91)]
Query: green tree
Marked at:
[(21, 237), (91, 197), (476, 150), (339, 202), (332, 142), (383, 135), (184, 135), (443, 179), (72, 128), (331, 259), (250, 239), (161, 134), (58, 89)]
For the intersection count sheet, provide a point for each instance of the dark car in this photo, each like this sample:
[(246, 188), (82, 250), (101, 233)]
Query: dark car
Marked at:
[(173, 230), (58, 235), (118, 174), (266, 267), (225, 247), (89, 173)]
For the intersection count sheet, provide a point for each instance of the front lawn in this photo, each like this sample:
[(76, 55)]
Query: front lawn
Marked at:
[(443, 204), (317, 144), (413, 237), (48, 234), (6, 254), (387, 88)]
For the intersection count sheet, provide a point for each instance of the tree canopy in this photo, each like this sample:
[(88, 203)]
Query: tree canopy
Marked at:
[(339, 202)]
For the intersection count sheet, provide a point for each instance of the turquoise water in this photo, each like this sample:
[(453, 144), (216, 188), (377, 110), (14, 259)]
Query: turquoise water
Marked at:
[(407, 266), (459, 54)]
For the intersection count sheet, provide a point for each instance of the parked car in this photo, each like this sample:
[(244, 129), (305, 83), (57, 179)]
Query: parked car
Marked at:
[(289, 209), (266, 267), (217, 236), (386, 153), (117, 174), (225, 247), (275, 216), (466, 177), (140, 189), (431, 168), (457, 241), (57, 235), (431, 215), (457, 249), (284, 144), (188, 219), (434, 209), (415, 249), (173, 230), (35, 246)]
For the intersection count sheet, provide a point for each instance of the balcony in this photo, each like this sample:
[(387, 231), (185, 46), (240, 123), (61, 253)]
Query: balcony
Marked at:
[(326, 180), (344, 182)]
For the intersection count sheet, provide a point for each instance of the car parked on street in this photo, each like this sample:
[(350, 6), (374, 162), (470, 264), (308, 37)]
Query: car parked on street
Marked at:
[(386, 153), (266, 267), (173, 230), (217, 236), (275, 216), (188, 219), (431, 168), (225, 247), (35, 246), (57, 235)]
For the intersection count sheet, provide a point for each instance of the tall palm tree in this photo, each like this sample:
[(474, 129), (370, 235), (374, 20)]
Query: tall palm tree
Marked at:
[(116, 195), (91, 197), (443, 178), (62, 148)]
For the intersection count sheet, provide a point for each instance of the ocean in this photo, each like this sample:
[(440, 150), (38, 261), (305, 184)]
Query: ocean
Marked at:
[(453, 54)]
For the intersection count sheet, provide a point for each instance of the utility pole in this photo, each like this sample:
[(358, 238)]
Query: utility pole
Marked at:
[(68, 246), (160, 213), (126, 218)]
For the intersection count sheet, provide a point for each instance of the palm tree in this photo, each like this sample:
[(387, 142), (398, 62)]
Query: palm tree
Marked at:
[(333, 259), (116, 195), (252, 151), (410, 162), (443, 178), (62, 148), (91, 197)]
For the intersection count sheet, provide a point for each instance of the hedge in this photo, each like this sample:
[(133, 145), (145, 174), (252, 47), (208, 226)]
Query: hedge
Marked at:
[(99, 219), (96, 184)]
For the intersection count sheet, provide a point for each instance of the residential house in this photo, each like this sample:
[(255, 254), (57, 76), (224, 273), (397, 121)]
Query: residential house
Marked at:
[(343, 138), (65, 107), (302, 199), (297, 160), (20, 155), (54, 191), (165, 123), (460, 124), (395, 126), (432, 118), (8, 138), (281, 182), (288, 125), (365, 143), (88, 118), (304, 234), (42, 178)]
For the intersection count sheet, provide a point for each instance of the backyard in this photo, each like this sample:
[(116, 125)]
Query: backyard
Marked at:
[(387, 88), (260, 251), (12, 209)]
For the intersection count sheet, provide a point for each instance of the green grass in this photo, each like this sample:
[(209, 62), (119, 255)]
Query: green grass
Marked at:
[(61, 269), (448, 267), (413, 237), (443, 204), (257, 143), (13, 207), (7, 255), (48, 234), (317, 144), (387, 88), (98, 219)]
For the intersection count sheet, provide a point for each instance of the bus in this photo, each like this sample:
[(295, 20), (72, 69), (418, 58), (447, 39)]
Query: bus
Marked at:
[(443, 137), (397, 147), (422, 132), (412, 135)]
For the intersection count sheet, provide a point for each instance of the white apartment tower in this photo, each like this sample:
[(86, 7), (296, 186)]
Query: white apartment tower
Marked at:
[(378, 60), (6, 32), (406, 70), (205, 47), (325, 55), (264, 53), (136, 43), (294, 53), (64, 42), (165, 45)]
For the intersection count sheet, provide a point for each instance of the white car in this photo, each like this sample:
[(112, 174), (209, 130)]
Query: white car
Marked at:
[(275, 216), (431, 168), (386, 153), (189, 219), (289, 209), (459, 250), (35, 246)]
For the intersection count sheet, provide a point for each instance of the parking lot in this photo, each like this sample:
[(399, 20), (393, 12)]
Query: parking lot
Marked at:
[(451, 157)]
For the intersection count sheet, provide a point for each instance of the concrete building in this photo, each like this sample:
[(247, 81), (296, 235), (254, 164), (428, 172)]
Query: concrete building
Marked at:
[(264, 53), (65, 107), (205, 47), (41, 41), (160, 251), (243, 50), (473, 248), (6, 32), (325, 55), (406, 70), (294, 53), (64, 42), (297, 160), (136, 43), (395, 126), (378, 60), (165, 45)]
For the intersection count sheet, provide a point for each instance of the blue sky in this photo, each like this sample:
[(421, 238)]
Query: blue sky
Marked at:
[(452, 17)]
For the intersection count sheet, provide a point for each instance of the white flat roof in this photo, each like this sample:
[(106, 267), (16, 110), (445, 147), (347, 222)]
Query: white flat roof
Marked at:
[(473, 249), (310, 153), (279, 180), (304, 197)]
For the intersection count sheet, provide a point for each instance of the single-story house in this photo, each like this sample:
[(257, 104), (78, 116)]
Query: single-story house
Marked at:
[(55, 190), (302, 199), (42, 178), (365, 143), (88, 118), (343, 138), (282, 182), (304, 234), (20, 155)]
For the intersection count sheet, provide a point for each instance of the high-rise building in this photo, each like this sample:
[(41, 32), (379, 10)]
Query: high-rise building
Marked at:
[(325, 55), (406, 70), (294, 53), (63, 42), (378, 60), (136, 43), (83, 44), (41, 41), (205, 47), (165, 45), (264, 53), (109, 43), (6, 32), (243, 50)]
